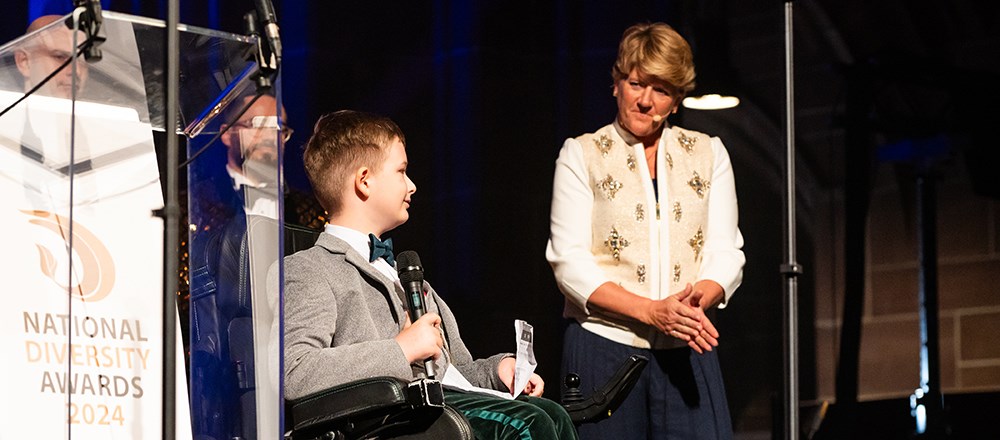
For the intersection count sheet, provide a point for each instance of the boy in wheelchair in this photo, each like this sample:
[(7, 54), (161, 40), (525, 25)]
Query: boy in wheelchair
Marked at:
[(345, 314)]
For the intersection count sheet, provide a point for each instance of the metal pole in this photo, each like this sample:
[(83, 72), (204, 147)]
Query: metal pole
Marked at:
[(790, 269), (928, 410), (171, 221)]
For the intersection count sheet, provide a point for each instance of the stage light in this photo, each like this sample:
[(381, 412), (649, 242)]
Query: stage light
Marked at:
[(711, 102)]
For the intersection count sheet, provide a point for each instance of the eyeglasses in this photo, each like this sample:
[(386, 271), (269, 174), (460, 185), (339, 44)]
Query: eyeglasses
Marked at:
[(286, 132)]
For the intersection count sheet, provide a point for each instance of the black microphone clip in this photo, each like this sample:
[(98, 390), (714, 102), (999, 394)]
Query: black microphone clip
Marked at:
[(91, 21), (263, 76), (269, 32)]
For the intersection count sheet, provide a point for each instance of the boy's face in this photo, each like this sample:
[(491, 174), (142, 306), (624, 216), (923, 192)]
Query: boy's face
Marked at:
[(392, 188)]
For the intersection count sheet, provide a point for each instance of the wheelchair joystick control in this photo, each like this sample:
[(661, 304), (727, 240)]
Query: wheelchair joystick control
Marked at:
[(572, 393)]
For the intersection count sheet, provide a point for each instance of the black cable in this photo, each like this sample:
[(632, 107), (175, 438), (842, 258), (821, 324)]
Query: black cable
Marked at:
[(44, 81), (228, 125)]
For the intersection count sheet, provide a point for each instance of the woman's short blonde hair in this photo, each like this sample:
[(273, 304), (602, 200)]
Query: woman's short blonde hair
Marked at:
[(656, 50)]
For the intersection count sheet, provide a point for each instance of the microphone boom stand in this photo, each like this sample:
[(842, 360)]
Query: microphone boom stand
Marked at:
[(790, 269), (171, 220)]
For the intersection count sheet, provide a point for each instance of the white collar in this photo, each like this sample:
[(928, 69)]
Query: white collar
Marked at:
[(357, 239), (240, 180), (360, 242)]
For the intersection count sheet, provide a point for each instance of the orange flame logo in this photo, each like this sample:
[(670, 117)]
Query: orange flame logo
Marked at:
[(98, 268)]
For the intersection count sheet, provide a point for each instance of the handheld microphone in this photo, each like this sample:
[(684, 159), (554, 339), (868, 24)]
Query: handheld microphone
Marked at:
[(267, 17), (411, 276)]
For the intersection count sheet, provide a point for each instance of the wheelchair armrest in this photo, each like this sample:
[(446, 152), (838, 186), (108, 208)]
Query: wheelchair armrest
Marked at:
[(361, 408), (605, 401)]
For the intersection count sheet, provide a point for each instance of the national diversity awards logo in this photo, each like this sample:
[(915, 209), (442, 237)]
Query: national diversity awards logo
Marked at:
[(94, 279), (92, 360)]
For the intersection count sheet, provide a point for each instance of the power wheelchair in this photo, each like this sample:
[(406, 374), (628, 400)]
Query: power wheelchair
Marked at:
[(385, 407)]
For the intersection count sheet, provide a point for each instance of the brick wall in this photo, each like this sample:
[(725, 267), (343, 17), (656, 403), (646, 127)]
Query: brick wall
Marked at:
[(969, 289)]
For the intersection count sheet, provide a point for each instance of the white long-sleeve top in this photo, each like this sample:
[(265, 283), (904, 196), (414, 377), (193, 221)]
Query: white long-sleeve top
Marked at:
[(570, 242)]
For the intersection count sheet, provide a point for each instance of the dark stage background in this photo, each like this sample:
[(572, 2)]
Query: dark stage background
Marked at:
[(487, 91)]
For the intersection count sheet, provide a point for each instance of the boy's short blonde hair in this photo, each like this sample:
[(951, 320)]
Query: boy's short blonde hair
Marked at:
[(342, 142), (656, 50)]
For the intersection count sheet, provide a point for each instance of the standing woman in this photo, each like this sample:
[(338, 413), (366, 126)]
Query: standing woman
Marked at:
[(644, 241)]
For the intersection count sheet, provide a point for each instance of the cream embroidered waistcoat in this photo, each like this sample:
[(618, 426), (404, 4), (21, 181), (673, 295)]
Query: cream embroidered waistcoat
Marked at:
[(628, 222)]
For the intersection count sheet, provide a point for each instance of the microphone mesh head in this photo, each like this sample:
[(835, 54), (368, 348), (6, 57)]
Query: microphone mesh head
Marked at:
[(409, 267)]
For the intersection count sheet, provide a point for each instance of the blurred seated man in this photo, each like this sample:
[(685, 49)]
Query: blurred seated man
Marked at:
[(227, 192), (222, 196)]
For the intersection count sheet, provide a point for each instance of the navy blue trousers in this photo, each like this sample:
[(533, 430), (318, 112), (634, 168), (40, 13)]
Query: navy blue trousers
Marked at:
[(680, 394)]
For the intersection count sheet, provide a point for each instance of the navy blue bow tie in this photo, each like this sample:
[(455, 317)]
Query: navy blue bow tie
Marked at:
[(381, 249)]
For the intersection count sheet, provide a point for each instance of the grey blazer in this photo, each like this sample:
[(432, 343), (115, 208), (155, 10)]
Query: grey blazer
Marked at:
[(341, 315)]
